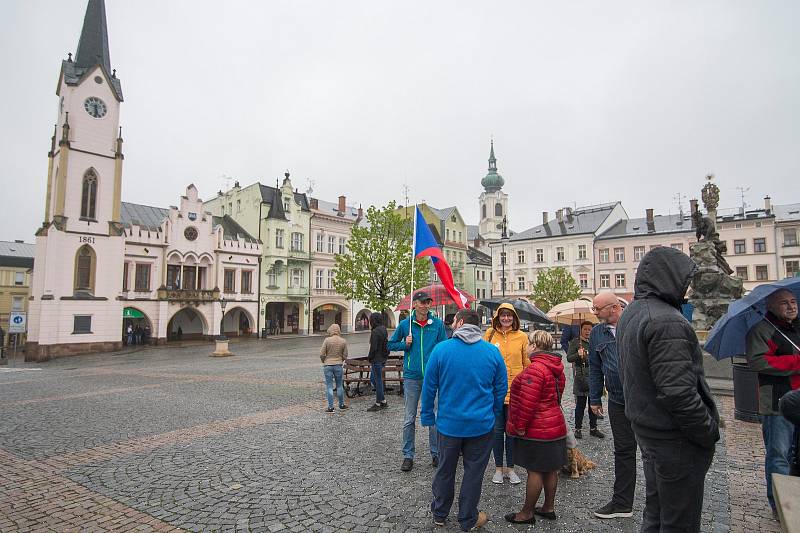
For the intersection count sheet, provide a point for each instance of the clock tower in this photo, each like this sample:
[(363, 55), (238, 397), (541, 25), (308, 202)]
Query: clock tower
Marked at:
[(493, 202), (80, 245)]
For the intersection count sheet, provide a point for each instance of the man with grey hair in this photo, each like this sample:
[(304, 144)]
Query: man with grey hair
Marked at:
[(772, 351)]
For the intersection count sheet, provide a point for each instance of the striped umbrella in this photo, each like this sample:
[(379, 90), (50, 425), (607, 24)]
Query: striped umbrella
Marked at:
[(438, 294)]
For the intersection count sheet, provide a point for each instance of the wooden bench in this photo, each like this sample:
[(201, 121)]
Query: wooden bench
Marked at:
[(357, 371)]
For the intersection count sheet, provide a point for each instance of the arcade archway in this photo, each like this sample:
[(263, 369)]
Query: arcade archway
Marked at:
[(187, 324)]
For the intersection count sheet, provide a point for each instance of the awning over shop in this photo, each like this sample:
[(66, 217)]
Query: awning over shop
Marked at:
[(130, 312)]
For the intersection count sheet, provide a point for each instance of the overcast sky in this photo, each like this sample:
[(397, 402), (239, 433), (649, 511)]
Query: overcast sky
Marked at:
[(588, 102)]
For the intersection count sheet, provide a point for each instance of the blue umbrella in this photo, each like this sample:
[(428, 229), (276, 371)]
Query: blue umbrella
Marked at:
[(727, 337)]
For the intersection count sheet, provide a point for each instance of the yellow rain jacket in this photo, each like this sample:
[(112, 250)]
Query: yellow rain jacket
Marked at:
[(512, 344)]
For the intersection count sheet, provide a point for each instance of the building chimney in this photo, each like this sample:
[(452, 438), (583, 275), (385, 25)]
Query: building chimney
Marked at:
[(767, 203), (560, 215), (360, 212), (569, 211), (341, 204), (544, 217), (314, 203), (650, 221)]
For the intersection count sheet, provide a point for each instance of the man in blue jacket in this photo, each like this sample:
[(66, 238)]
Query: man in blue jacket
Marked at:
[(416, 336), (604, 371), (469, 376)]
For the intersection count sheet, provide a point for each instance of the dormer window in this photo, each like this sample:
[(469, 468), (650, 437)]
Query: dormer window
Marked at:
[(285, 204)]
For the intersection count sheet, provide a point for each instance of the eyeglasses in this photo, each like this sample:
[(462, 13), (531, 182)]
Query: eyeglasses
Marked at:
[(598, 309)]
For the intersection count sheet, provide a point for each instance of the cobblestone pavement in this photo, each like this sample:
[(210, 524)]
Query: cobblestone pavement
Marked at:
[(168, 439)]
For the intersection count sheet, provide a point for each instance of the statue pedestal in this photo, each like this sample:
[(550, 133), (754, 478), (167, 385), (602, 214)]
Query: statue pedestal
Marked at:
[(221, 349)]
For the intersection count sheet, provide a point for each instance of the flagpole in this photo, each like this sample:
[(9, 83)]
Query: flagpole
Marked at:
[(413, 252)]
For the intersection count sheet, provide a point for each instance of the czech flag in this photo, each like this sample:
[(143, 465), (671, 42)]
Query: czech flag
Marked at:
[(426, 246)]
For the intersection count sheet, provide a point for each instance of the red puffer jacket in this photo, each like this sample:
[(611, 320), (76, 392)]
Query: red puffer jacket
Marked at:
[(533, 410)]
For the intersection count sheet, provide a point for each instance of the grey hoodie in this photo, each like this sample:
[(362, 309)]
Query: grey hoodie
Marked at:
[(468, 333)]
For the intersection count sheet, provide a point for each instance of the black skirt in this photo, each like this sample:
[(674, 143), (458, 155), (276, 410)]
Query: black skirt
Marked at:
[(540, 456)]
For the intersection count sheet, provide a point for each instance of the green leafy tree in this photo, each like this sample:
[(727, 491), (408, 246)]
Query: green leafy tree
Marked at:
[(377, 266), (554, 286)]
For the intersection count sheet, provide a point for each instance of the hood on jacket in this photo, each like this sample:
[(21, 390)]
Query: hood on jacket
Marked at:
[(375, 320), (551, 360), (334, 329), (664, 273), (496, 317), (468, 333)]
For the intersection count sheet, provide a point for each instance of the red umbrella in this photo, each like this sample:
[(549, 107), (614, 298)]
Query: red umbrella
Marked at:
[(438, 294)]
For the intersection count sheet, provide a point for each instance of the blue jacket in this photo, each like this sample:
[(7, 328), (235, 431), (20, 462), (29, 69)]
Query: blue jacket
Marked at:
[(567, 334), (604, 366), (470, 377), (425, 337)]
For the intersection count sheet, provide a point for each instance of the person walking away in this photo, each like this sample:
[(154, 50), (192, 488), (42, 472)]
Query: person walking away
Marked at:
[(578, 355), (604, 373), (667, 399), (448, 324), (333, 353), (568, 334), (772, 351), (417, 336), (540, 431), (378, 353), (506, 335), (468, 376)]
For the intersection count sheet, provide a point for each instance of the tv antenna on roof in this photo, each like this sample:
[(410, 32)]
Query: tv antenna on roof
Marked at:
[(227, 179), (310, 186), (743, 193)]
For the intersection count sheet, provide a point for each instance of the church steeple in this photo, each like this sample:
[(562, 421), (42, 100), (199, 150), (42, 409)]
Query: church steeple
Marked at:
[(93, 46), (492, 181), (492, 158)]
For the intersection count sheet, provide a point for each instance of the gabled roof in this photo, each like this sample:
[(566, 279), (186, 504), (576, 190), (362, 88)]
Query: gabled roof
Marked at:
[(17, 254), (476, 256), (332, 209), (231, 229), (435, 234), (662, 224), (786, 212), (582, 220), (442, 214), (273, 196), (145, 216)]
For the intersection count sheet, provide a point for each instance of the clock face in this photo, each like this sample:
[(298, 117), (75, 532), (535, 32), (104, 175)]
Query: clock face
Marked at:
[(95, 107)]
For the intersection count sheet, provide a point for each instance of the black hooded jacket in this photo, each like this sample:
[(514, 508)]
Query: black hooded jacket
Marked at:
[(378, 350), (660, 360)]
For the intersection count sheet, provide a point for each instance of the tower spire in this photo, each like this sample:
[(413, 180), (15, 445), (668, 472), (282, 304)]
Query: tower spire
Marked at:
[(93, 45), (492, 158)]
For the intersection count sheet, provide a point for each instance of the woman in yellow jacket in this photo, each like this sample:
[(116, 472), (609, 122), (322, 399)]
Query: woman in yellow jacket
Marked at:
[(506, 335)]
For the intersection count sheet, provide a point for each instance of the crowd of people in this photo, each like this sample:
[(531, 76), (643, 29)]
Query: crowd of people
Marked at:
[(499, 393)]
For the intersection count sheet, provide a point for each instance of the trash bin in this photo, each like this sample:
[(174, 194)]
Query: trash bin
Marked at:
[(263, 333), (745, 393)]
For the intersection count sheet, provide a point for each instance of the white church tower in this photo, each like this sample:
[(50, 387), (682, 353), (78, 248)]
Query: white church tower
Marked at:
[(80, 247), (493, 202)]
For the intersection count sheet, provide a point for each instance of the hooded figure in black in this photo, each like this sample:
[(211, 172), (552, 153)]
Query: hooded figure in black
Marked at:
[(378, 353), (667, 398)]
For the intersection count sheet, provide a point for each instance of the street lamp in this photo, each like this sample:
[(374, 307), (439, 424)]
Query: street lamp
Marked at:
[(222, 303), (503, 241)]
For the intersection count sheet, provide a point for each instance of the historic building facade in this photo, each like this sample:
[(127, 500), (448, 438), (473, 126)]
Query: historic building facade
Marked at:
[(16, 265)]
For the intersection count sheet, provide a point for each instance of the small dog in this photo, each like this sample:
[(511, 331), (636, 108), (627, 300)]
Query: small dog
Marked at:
[(578, 464)]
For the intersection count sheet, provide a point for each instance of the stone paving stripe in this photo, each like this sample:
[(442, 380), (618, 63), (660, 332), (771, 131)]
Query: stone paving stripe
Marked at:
[(100, 392)]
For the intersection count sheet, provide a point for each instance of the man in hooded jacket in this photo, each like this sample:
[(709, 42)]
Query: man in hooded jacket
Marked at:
[(667, 398)]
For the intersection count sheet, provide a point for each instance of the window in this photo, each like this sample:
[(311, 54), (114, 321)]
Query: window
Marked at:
[(331, 274), (737, 226), (82, 324), (638, 253), (238, 206), (602, 255), (677, 245), (459, 236), (498, 210), (89, 194), (229, 280), (297, 242), (318, 278), (605, 281), (760, 245), (581, 251), (521, 283), (762, 272), (483, 211), (320, 242), (540, 255), (173, 276), (17, 303), (296, 279), (619, 255), (741, 272), (278, 238), (619, 280), (19, 278), (583, 280), (559, 253), (272, 280), (230, 207), (447, 234), (792, 268), (85, 262), (189, 279), (125, 277), (521, 256), (790, 237), (247, 277), (286, 204), (331, 244), (739, 246), (342, 245), (142, 282)]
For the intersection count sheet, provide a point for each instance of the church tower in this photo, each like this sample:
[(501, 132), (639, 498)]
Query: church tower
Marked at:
[(493, 202), (80, 246)]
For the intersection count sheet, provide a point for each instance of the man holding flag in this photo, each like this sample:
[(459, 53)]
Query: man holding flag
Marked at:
[(417, 336)]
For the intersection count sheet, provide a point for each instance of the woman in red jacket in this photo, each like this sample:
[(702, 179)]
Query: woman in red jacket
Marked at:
[(536, 421)]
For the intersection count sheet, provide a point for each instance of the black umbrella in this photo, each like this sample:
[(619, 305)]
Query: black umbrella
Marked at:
[(525, 310)]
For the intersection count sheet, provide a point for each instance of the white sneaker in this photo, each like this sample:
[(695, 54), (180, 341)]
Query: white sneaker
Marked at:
[(513, 478), (497, 477)]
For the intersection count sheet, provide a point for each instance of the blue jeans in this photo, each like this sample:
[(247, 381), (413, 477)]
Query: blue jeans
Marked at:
[(778, 439), (475, 451), (501, 440), (333, 372), (376, 378), (412, 389)]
